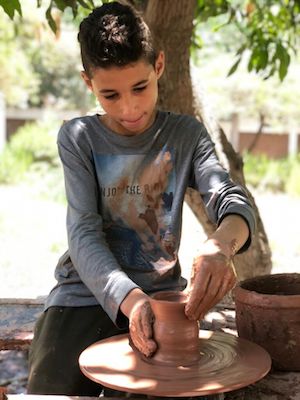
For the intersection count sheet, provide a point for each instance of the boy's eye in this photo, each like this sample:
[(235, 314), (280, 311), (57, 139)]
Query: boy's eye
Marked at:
[(140, 88), (111, 96)]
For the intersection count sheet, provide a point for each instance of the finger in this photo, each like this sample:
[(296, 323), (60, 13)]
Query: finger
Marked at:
[(146, 350), (227, 284), (222, 279), (197, 295), (145, 345), (195, 301), (147, 319), (225, 289), (210, 298)]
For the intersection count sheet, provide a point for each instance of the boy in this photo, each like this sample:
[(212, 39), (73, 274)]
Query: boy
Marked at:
[(126, 173)]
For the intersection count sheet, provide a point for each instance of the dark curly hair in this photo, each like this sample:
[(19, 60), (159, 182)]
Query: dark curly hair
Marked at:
[(114, 35)]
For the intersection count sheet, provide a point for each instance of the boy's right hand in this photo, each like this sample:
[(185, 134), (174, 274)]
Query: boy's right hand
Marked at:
[(136, 307), (140, 328)]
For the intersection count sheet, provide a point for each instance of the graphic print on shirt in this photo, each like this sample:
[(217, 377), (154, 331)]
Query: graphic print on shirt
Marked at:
[(137, 196)]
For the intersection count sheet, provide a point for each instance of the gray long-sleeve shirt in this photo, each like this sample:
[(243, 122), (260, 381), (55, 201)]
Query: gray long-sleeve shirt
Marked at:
[(125, 198)]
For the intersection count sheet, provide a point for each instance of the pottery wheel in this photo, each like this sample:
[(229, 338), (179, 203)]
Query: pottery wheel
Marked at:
[(226, 363)]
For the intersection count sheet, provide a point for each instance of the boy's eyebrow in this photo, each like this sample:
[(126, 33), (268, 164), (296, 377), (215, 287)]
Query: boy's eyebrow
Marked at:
[(103, 91), (143, 82)]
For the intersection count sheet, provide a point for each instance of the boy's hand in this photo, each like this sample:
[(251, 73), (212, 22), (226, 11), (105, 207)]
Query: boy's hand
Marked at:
[(136, 307), (212, 277), (140, 328)]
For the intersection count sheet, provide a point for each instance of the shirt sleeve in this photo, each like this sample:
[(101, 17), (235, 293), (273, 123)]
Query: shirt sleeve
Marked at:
[(89, 251), (220, 194)]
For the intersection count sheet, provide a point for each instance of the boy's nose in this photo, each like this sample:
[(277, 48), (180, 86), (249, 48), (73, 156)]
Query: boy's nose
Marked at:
[(128, 107)]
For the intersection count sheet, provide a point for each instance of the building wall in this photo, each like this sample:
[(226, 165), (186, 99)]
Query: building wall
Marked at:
[(274, 145), (13, 124), (16, 118)]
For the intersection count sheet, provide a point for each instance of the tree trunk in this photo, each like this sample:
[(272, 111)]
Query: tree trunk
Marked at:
[(171, 22)]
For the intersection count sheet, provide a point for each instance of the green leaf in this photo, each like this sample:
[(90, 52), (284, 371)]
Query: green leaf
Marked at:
[(283, 66), (271, 73), (10, 6), (214, 8), (86, 4), (241, 49), (263, 59), (252, 61), (63, 4), (197, 42), (284, 60), (50, 19), (234, 67)]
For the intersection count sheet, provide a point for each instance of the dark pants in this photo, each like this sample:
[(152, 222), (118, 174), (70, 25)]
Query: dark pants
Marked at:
[(60, 335)]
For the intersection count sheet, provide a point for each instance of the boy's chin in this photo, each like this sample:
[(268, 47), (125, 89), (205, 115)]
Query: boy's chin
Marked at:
[(135, 128)]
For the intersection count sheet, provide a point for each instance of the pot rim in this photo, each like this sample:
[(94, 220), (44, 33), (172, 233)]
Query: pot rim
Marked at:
[(252, 297), (180, 295)]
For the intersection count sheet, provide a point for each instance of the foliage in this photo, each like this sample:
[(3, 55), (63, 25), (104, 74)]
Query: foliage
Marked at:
[(46, 181), (45, 70), (11, 6), (31, 144), (281, 175), (60, 82), (62, 5), (269, 30), (20, 83), (246, 94), (293, 183)]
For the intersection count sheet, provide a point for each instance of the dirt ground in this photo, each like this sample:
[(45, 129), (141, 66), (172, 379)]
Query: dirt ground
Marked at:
[(13, 371)]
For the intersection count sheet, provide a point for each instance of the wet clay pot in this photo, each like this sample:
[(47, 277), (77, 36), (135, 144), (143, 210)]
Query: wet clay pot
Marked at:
[(268, 313), (177, 337)]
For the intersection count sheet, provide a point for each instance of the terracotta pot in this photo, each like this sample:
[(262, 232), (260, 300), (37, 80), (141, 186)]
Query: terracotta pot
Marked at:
[(177, 337), (268, 313), (3, 392)]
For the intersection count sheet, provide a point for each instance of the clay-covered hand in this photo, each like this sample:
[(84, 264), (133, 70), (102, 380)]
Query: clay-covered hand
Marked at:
[(141, 320), (213, 275)]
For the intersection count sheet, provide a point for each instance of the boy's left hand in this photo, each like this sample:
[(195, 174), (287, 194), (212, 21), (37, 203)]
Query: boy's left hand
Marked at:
[(212, 277)]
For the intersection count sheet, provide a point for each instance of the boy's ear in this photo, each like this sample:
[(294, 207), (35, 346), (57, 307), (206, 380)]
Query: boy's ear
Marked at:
[(86, 80), (160, 64)]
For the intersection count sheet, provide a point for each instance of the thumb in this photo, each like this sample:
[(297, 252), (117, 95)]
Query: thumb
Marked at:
[(141, 331), (147, 320)]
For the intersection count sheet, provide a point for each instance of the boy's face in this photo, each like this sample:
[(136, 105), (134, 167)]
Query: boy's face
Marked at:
[(127, 94)]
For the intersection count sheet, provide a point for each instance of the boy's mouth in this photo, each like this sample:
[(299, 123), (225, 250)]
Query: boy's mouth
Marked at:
[(131, 122)]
